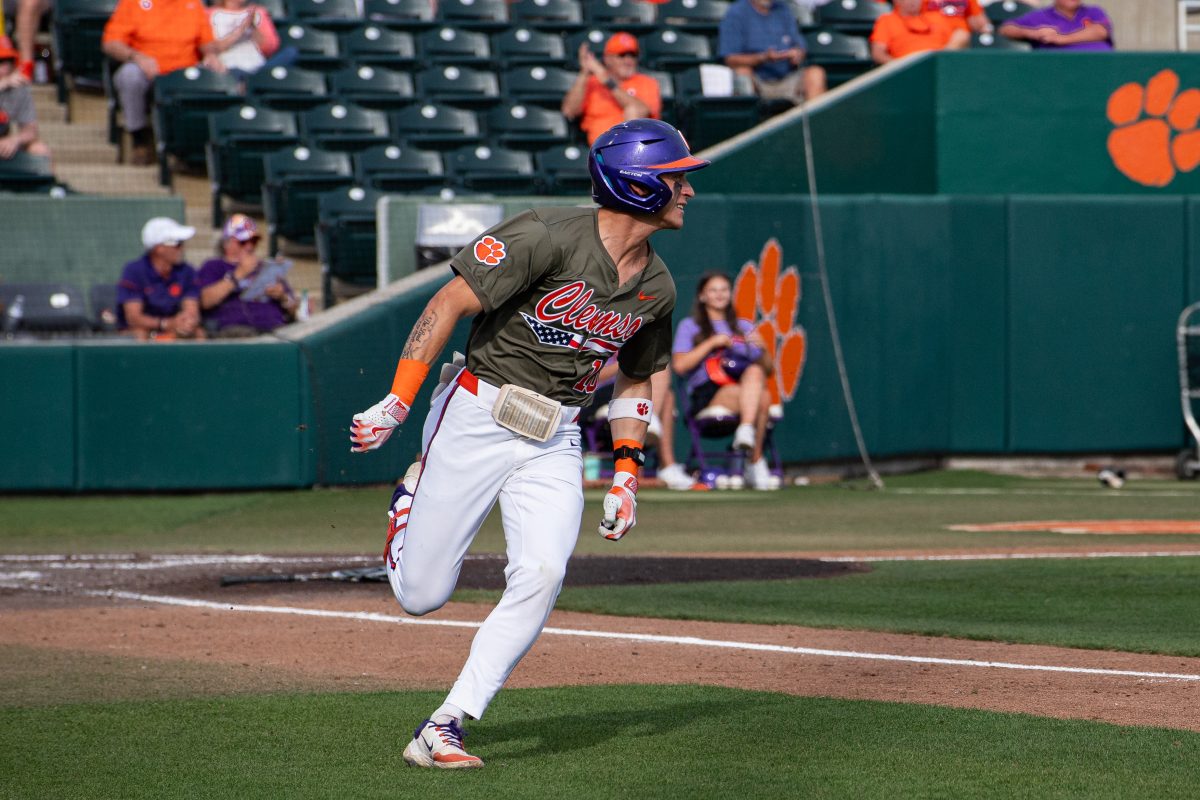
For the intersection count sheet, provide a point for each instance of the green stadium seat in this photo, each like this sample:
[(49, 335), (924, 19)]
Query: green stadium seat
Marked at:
[(670, 50), (46, 308), (399, 168), (474, 15), (855, 17), (26, 173), (447, 45), (693, 16), (540, 85), (380, 46), (559, 16), (436, 126), (407, 15), (666, 92), (294, 177), (287, 88), (318, 49), (995, 41), (346, 238), (711, 118), (76, 32), (841, 55), (594, 36), (521, 46), (344, 127), (563, 170), (331, 15), (102, 299), (460, 86), (634, 16), (523, 127), (238, 140), (1003, 10), (492, 169), (183, 100), (373, 87)]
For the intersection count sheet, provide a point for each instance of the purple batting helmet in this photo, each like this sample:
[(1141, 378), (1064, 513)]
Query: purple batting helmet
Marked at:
[(635, 154)]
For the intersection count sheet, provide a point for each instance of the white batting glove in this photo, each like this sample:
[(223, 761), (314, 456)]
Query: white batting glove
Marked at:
[(449, 370), (371, 428), (620, 507)]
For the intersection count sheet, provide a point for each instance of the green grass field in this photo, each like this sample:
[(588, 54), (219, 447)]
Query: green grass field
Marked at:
[(190, 737)]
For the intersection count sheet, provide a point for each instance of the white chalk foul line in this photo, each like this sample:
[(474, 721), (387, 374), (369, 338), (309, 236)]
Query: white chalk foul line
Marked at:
[(1017, 556), (689, 641)]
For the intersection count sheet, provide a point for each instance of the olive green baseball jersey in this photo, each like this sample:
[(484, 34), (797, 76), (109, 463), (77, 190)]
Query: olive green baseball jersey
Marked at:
[(553, 313)]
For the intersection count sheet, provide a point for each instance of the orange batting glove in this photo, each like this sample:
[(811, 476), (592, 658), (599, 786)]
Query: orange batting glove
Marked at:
[(620, 507)]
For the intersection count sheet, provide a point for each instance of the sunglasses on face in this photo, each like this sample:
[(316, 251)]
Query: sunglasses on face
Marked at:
[(171, 244), (626, 55)]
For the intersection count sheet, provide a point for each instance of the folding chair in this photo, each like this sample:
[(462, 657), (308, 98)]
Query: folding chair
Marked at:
[(720, 467)]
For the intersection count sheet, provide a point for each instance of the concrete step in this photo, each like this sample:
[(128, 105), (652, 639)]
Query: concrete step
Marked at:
[(77, 144), (111, 179)]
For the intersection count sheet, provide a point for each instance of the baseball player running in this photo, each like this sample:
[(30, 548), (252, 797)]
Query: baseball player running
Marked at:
[(553, 293)]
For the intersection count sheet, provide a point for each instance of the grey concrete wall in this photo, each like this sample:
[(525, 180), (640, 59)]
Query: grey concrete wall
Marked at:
[(1145, 24)]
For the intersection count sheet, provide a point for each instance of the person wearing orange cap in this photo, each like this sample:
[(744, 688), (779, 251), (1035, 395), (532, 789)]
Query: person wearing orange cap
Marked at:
[(18, 120), (606, 93)]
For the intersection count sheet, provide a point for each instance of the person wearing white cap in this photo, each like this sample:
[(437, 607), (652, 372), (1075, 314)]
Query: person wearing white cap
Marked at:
[(157, 296)]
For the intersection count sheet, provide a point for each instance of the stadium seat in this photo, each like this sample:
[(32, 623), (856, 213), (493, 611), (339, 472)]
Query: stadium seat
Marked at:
[(559, 16), (855, 17), (399, 168), (459, 86), (346, 238), (275, 8), (634, 16), (543, 86), (380, 46), (1003, 10), (436, 126), (406, 15), (331, 15), (713, 116), (183, 99), (474, 15), (76, 32), (523, 127), (373, 87), (294, 177), (26, 173), (522, 46), (564, 170), (842, 56), (102, 299), (994, 41), (238, 140), (287, 89), (491, 169), (450, 46), (693, 16), (593, 35), (344, 127), (46, 308), (318, 49), (672, 51), (666, 93)]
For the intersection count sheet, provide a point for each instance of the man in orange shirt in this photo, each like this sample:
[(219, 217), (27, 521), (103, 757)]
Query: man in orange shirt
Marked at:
[(967, 15), (151, 38), (907, 30), (607, 93)]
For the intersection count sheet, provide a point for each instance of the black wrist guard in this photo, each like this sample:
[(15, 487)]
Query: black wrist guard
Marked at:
[(634, 453)]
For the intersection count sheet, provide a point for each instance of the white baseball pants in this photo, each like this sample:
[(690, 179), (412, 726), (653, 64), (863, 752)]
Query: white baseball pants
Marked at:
[(469, 462)]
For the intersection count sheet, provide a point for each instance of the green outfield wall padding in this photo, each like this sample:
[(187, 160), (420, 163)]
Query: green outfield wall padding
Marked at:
[(78, 240), (37, 415), (191, 416), (1094, 291)]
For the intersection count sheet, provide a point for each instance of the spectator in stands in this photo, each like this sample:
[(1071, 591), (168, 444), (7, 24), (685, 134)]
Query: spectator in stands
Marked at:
[(606, 93), (1063, 25), (157, 297), (18, 119), (152, 38), (908, 29), (761, 39), (28, 18), (727, 364), (965, 15), (245, 39), (229, 291)]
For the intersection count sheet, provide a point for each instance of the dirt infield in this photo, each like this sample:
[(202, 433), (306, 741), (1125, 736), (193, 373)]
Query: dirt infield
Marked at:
[(264, 635)]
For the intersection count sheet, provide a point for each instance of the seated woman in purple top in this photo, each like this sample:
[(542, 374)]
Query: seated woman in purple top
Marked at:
[(1064, 25), (726, 365), (226, 284)]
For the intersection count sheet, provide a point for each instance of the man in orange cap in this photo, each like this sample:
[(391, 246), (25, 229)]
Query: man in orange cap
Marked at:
[(18, 121), (614, 91)]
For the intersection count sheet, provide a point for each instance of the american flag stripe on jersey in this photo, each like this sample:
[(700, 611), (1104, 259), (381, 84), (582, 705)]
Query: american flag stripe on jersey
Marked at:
[(548, 334), (601, 346)]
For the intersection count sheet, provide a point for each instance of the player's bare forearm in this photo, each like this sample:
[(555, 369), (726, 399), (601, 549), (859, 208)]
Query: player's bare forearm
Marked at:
[(628, 427), (433, 328)]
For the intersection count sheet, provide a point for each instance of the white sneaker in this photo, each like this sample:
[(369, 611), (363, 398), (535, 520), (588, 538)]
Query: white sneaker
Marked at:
[(653, 431), (439, 746), (743, 437), (758, 476), (676, 477)]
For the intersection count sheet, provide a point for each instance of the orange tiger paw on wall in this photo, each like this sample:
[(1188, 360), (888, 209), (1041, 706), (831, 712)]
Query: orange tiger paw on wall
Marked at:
[(1155, 136), (769, 297)]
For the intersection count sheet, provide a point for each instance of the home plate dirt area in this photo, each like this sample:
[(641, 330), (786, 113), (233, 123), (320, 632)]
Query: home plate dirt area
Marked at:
[(315, 633)]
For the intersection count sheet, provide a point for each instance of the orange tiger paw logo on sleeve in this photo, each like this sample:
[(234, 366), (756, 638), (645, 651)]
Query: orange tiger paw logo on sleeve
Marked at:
[(1155, 136), (489, 250), (770, 298)]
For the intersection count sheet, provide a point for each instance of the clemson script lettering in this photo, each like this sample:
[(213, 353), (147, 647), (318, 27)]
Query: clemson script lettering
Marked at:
[(571, 305)]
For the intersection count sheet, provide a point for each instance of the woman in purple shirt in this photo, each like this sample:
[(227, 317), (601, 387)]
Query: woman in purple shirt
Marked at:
[(226, 284), (1065, 25), (726, 365)]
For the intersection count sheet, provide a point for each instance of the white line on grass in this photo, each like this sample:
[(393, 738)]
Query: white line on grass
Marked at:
[(127, 562), (1016, 556), (687, 641), (1099, 492)]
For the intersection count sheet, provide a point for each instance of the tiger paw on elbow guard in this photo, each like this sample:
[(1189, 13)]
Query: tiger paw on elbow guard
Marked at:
[(620, 507)]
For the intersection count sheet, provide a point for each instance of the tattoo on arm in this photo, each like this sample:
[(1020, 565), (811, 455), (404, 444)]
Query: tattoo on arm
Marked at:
[(420, 334)]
